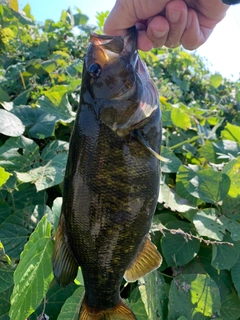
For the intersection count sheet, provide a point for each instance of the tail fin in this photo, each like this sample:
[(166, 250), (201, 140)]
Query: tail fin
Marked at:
[(120, 312)]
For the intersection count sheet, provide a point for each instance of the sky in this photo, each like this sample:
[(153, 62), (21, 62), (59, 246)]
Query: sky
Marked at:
[(222, 50)]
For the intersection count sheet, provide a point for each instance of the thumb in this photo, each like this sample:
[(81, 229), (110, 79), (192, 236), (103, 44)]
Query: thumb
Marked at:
[(126, 13)]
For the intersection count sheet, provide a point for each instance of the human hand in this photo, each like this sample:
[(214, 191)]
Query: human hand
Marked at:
[(166, 22)]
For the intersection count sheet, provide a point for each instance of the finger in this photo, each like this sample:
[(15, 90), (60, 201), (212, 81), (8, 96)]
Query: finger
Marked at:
[(157, 31), (126, 13), (194, 34), (176, 14)]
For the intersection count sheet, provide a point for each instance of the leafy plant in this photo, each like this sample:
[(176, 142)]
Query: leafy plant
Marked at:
[(196, 224)]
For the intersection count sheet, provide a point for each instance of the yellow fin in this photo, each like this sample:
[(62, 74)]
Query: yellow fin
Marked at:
[(145, 144), (146, 261), (120, 312), (65, 267)]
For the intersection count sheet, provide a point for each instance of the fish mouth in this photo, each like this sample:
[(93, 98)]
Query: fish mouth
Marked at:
[(104, 48)]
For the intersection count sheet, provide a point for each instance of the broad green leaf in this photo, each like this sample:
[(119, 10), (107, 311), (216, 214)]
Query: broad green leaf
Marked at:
[(25, 195), (19, 154), (231, 132), (52, 169), (71, 307), (56, 211), (195, 296), (5, 303), (16, 229), (184, 175), (4, 176), (232, 170), (225, 256), (4, 96), (10, 125), (216, 80), (173, 164), (55, 299), (230, 307), (55, 102), (180, 118), (13, 4), (235, 273), (172, 200), (209, 186), (138, 309), (154, 292), (34, 272), (41, 125), (208, 224), (218, 152), (176, 247), (232, 226)]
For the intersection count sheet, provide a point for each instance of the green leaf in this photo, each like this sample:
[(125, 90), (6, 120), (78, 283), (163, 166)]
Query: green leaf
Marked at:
[(4, 96), (154, 292), (34, 272), (217, 152), (180, 118), (233, 172), (55, 102), (4, 176), (41, 125), (10, 125), (56, 211), (71, 307), (223, 255), (138, 309), (235, 273), (230, 307), (171, 199), (52, 169), (55, 299), (216, 80), (209, 186), (173, 164), (184, 176), (17, 227), (208, 224), (195, 296), (19, 154), (177, 249), (231, 132)]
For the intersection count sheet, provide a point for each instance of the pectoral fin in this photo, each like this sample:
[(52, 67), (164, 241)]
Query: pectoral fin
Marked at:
[(144, 142), (65, 267), (146, 261)]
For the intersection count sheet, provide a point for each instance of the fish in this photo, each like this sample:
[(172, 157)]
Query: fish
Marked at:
[(112, 179)]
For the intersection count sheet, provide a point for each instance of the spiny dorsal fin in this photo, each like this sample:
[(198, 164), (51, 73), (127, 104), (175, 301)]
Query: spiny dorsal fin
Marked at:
[(147, 260), (65, 267), (119, 312)]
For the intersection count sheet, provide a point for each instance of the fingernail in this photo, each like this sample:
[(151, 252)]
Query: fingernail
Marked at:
[(174, 16), (159, 34)]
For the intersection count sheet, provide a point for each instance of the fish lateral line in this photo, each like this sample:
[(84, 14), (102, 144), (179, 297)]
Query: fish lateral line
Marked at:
[(146, 145)]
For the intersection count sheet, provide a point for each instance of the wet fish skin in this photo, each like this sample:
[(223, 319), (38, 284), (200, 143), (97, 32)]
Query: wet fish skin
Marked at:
[(112, 181)]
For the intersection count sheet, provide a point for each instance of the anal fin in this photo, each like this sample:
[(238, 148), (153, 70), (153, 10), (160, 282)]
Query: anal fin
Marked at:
[(65, 267), (119, 312), (147, 260)]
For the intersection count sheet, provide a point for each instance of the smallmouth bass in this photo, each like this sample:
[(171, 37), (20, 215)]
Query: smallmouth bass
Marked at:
[(112, 177)]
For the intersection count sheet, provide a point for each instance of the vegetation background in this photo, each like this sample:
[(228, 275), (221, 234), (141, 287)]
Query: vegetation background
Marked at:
[(196, 224)]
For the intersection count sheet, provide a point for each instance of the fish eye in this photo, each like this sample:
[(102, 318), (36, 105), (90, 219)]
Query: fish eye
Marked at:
[(94, 70)]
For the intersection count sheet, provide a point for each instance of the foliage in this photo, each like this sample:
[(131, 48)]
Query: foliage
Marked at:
[(196, 225)]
